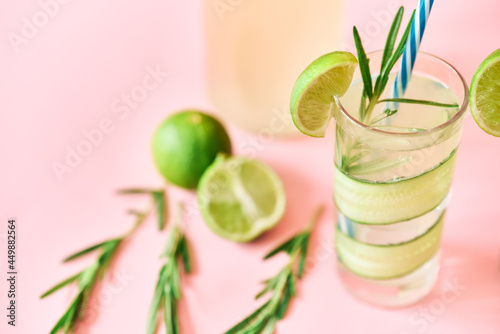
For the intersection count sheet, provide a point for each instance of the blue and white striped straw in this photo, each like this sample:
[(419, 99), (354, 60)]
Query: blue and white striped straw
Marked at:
[(411, 47)]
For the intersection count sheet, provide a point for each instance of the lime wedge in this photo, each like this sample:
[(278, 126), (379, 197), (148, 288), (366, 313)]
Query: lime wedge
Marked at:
[(485, 95), (240, 198), (312, 103)]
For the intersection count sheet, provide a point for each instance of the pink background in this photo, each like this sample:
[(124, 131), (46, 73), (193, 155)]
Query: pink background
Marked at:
[(63, 81)]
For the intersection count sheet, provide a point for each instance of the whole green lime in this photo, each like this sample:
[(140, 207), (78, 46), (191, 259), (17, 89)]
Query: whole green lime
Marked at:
[(186, 143)]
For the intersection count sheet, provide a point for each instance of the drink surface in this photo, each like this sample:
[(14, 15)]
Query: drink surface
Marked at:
[(256, 51), (391, 153), (410, 117)]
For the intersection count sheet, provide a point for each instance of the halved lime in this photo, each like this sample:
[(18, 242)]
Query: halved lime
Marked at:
[(240, 198), (312, 102), (485, 95)]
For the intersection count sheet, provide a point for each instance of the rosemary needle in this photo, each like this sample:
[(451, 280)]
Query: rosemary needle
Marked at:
[(87, 278), (390, 56), (168, 287), (281, 287)]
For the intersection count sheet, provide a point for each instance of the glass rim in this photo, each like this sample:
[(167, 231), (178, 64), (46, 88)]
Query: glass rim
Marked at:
[(455, 118)]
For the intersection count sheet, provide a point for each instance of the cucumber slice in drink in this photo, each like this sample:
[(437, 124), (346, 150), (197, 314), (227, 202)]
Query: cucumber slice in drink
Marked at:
[(392, 202), (388, 261)]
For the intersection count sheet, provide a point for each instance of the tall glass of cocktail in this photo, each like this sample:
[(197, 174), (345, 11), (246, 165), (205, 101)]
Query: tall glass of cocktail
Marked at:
[(392, 180)]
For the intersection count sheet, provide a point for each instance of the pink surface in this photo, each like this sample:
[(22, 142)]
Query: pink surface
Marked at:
[(63, 81)]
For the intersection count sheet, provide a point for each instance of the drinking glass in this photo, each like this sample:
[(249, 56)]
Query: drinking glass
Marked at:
[(392, 181)]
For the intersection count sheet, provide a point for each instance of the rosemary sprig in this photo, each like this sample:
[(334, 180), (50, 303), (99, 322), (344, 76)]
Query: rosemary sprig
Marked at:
[(282, 287), (391, 38), (422, 102), (389, 112), (389, 58), (168, 287), (364, 65), (159, 197), (87, 278)]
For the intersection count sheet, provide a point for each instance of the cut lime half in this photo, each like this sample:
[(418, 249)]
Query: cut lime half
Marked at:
[(312, 102), (485, 95), (240, 198)]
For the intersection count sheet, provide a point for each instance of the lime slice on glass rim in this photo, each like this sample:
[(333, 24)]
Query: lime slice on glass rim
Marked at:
[(485, 95), (312, 103), (240, 198)]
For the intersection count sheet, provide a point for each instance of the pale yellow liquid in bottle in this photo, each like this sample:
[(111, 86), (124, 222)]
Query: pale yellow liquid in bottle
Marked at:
[(256, 49)]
